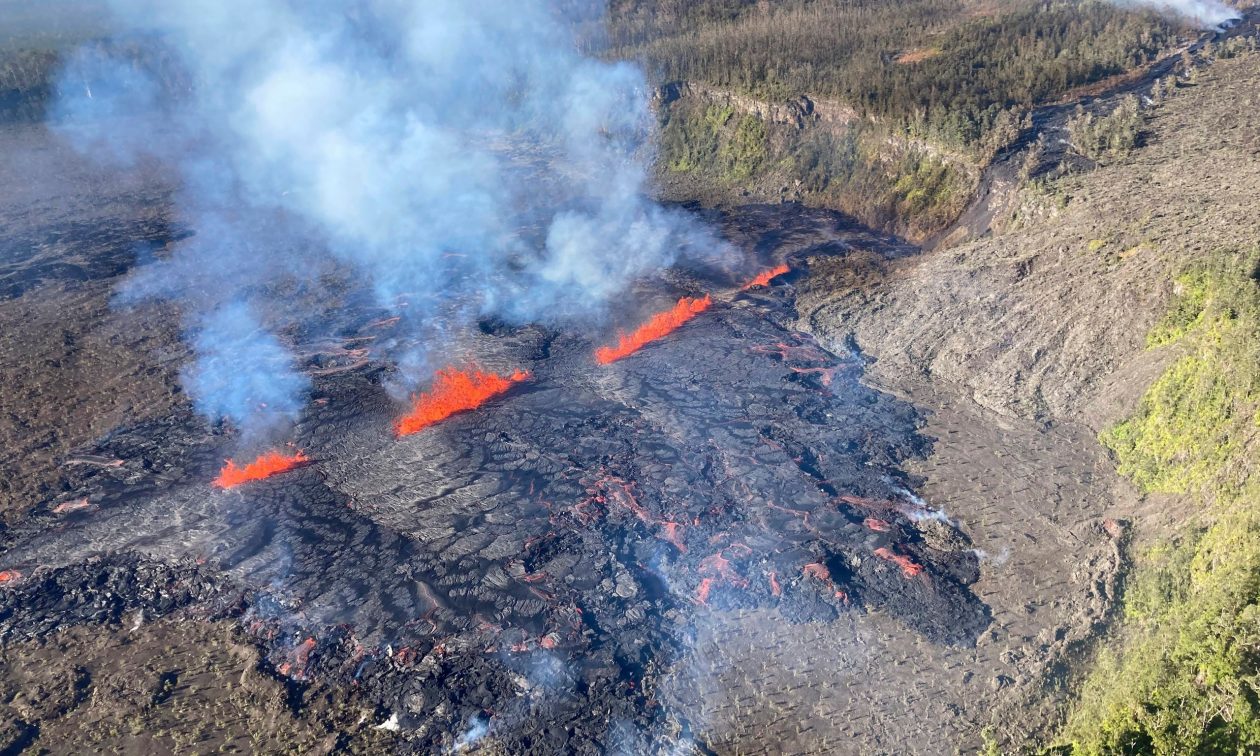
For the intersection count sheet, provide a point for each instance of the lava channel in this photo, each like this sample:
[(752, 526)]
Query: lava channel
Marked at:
[(455, 391), (271, 463), (658, 326)]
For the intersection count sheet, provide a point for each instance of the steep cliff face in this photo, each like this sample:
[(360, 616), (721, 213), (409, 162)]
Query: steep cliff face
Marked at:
[(723, 147), (885, 111)]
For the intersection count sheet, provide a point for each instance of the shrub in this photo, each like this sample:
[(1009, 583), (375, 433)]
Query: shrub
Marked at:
[(1187, 679), (1110, 137)]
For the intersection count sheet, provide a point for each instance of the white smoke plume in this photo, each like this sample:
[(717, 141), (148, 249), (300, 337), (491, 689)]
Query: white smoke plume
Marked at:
[(1208, 14), (460, 156)]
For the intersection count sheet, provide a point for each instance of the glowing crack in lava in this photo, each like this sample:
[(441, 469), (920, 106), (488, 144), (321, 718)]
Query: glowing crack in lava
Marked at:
[(763, 278), (271, 463), (908, 566), (658, 326), (455, 391)]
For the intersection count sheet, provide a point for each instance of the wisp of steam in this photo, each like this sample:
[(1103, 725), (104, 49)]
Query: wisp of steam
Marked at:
[(460, 158), (1209, 14)]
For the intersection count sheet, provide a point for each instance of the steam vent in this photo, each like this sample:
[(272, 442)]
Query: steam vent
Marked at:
[(629, 377)]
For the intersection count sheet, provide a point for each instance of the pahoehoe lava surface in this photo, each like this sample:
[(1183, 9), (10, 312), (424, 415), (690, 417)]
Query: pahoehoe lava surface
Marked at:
[(530, 568)]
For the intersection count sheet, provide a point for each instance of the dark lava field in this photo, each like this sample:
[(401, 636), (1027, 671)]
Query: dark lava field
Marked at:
[(529, 569)]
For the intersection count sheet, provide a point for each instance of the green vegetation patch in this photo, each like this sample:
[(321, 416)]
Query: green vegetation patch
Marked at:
[(1187, 676), (746, 149), (1187, 680), (855, 170), (929, 190), (1109, 137), (1198, 417), (690, 140)]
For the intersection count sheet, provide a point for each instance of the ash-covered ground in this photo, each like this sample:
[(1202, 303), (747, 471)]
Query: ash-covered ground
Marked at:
[(522, 576)]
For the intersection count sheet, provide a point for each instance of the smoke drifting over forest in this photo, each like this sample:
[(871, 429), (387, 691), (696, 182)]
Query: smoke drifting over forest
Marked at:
[(386, 139), (1209, 14)]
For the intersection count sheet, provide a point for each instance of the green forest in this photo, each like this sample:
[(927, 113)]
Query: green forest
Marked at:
[(930, 67)]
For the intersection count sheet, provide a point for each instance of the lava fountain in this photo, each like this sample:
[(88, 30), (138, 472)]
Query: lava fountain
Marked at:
[(764, 277), (267, 465), (658, 326), (455, 391)]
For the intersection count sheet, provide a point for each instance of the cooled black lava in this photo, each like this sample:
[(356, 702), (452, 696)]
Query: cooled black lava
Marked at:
[(532, 565)]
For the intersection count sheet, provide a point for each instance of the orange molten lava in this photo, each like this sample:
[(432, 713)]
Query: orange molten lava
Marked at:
[(908, 567), (658, 326), (8, 576), (702, 592), (299, 658), (672, 532), (763, 278), (271, 463), (455, 391), (71, 506), (819, 571), (719, 568)]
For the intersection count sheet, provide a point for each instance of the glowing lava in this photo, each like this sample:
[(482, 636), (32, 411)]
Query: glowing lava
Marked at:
[(908, 566), (661, 324), (8, 576), (721, 569), (819, 572), (455, 391), (672, 532), (876, 524), (298, 660), (775, 588), (763, 278), (271, 463), (71, 506)]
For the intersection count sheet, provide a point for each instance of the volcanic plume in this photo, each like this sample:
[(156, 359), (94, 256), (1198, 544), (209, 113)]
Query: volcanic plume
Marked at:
[(455, 391), (658, 326), (271, 463), (338, 145), (764, 277)]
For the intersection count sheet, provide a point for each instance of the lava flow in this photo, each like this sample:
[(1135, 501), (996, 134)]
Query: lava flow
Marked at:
[(661, 324), (908, 566), (271, 463), (763, 278), (455, 391)]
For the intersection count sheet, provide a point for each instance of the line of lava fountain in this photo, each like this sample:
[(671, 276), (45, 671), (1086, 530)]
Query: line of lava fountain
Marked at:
[(455, 391), (271, 463), (661, 324), (763, 278)]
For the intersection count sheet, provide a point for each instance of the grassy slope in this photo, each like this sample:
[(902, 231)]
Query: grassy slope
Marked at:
[(1188, 676)]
